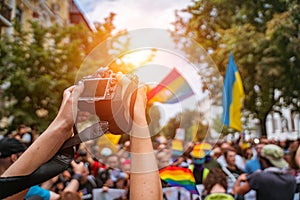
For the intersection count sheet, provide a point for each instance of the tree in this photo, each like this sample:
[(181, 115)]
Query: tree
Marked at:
[(37, 65), (263, 37), (191, 122)]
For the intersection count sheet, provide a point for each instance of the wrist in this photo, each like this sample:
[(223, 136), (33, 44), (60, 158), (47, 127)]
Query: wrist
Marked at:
[(62, 128), (140, 121), (77, 177), (140, 130)]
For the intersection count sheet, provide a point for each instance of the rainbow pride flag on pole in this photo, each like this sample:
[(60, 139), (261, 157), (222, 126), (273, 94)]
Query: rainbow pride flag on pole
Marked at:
[(233, 97), (172, 89), (180, 177)]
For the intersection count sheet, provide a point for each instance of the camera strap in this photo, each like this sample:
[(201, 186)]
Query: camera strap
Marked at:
[(92, 132), (56, 165)]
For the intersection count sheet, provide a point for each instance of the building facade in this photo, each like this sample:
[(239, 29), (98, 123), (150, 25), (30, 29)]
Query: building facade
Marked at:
[(46, 12)]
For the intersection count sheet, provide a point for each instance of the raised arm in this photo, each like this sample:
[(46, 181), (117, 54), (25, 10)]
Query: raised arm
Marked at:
[(45, 147), (144, 177), (50, 141)]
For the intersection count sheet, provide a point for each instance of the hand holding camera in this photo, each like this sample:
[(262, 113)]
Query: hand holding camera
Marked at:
[(111, 97)]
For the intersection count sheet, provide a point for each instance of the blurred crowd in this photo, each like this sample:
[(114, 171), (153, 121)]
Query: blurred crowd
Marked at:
[(238, 169)]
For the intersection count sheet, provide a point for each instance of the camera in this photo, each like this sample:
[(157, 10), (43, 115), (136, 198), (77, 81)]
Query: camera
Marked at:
[(111, 97), (100, 86)]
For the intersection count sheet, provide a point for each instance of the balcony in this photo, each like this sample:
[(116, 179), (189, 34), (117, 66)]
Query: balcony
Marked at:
[(5, 14)]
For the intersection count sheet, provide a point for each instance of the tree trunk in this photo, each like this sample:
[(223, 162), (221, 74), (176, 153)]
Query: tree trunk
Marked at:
[(263, 128)]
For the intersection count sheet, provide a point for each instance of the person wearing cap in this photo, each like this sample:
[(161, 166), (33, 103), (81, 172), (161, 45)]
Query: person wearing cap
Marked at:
[(202, 161), (274, 182), (10, 150)]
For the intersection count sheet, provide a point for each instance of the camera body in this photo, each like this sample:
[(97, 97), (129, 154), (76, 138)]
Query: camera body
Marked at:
[(99, 87), (107, 94)]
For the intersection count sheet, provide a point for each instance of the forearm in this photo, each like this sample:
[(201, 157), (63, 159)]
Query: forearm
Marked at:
[(72, 186), (297, 157), (241, 186), (18, 196), (43, 149), (144, 179), (236, 187)]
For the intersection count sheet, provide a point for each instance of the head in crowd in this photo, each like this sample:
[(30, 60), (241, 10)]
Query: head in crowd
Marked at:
[(163, 159), (225, 146), (272, 156), (113, 161), (126, 166), (258, 148), (200, 152), (215, 182), (293, 150), (10, 150), (69, 195), (216, 152), (248, 153), (230, 157), (198, 158), (263, 140)]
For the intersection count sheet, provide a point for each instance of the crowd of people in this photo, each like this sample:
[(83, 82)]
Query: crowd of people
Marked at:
[(244, 170), (240, 169)]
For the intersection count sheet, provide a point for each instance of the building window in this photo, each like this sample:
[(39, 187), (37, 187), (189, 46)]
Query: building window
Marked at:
[(35, 14), (55, 8), (5, 10), (19, 13)]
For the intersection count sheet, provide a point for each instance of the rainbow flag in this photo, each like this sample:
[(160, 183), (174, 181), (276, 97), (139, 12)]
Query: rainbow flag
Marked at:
[(233, 97), (180, 177), (172, 89)]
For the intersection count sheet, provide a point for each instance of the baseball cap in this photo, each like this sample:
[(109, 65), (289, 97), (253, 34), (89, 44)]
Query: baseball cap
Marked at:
[(275, 155), (201, 150), (9, 146)]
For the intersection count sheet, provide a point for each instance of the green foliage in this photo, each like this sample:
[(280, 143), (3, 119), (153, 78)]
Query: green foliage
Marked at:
[(264, 39), (191, 122), (35, 68)]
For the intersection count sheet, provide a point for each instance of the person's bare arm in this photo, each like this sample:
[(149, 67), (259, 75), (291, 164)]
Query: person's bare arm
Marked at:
[(78, 169), (243, 188), (50, 141), (45, 147), (144, 177), (297, 157)]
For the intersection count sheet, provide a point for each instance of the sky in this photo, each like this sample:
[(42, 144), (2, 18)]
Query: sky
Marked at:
[(134, 14), (139, 14)]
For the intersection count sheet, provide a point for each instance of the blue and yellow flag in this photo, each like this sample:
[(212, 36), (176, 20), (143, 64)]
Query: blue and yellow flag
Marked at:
[(233, 97)]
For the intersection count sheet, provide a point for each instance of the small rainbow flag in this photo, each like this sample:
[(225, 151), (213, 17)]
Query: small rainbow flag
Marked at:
[(180, 177), (172, 89)]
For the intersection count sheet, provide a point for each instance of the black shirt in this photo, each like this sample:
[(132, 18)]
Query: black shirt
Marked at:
[(272, 185)]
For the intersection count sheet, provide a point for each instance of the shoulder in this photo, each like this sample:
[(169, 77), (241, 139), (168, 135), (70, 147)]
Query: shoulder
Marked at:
[(257, 174)]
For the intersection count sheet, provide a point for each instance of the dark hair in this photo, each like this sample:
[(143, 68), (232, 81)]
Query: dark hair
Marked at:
[(228, 150), (245, 153), (292, 152), (215, 176), (68, 195), (267, 161)]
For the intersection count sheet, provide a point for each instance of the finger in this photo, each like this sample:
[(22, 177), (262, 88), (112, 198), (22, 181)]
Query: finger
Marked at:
[(68, 91), (73, 163), (143, 90), (77, 90), (142, 94)]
